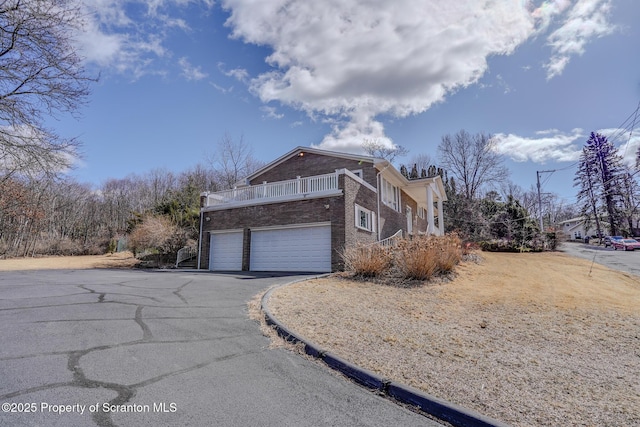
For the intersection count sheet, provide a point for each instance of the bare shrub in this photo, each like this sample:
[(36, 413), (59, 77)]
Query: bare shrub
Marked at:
[(423, 257), (156, 233), (418, 258), (367, 261), (450, 252), (50, 245)]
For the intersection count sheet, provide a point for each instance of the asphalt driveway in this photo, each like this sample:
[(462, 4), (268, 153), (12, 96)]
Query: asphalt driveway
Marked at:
[(165, 348), (628, 262)]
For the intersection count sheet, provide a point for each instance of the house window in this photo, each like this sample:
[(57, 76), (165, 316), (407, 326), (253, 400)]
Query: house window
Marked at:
[(390, 194), (358, 173), (421, 213), (364, 218)]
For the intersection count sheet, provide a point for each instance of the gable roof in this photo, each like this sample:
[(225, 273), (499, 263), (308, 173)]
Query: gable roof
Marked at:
[(413, 187), (296, 151)]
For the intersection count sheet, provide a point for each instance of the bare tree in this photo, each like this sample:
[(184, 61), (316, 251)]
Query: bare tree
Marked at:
[(375, 148), (630, 201), (41, 74), (421, 162), (233, 160), (472, 161)]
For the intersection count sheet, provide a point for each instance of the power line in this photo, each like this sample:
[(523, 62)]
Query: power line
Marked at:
[(633, 125)]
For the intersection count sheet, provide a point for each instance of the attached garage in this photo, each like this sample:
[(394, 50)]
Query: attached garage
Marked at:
[(293, 248), (226, 250)]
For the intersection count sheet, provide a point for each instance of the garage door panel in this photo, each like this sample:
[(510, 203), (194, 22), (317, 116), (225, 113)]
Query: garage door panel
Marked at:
[(292, 249), (226, 251)]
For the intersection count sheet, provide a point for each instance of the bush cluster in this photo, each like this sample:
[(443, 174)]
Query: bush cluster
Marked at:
[(156, 234), (539, 243), (417, 258)]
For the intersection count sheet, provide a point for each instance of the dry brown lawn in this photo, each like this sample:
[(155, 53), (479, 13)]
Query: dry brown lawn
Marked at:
[(116, 260), (528, 339)]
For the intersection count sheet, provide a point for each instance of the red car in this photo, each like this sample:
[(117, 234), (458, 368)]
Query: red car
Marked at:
[(625, 244)]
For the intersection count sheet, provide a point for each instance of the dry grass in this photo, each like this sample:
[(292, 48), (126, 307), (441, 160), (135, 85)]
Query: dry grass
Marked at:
[(418, 258), (529, 339), (116, 260), (423, 257), (367, 261)]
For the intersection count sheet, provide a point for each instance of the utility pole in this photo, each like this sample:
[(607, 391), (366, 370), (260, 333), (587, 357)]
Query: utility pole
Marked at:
[(540, 197)]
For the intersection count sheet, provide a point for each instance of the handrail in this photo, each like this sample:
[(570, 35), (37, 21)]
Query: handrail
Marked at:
[(391, 240), (185, 253), (311, 184)]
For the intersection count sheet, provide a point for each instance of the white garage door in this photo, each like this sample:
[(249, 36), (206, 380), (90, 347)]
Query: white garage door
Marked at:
[(292, 249), (226, 251)]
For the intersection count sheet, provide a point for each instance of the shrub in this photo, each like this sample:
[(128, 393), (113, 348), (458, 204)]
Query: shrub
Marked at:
[(552, 242), (158, 234), (451, 252), (415, 260), (423, 257), (367, 261), (112, 246), (418, 258)]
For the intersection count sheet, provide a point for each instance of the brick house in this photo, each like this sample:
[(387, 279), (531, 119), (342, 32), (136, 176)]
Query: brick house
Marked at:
[(298, 212)]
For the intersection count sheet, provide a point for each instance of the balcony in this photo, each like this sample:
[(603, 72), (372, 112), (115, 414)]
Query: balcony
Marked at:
[(271, 192)]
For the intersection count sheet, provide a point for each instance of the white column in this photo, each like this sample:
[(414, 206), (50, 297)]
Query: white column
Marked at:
[(440, 217), (431, 226)]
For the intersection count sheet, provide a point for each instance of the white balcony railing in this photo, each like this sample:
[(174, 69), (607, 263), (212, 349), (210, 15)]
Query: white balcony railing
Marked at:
[(275, 190)]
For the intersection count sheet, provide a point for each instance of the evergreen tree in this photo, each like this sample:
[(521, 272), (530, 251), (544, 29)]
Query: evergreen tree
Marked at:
[(598, 178), (587, 198)]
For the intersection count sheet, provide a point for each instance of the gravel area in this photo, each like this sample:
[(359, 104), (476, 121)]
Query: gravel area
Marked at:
[(528, 339)]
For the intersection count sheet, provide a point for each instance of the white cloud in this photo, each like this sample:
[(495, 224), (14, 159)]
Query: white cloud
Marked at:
[(554, 145), (239, 74), (221, 89), (351, 60), (130, 40), (99, 47), (357, 59), (547, 145), (586, 20), (627, 141), (189, 71), (271, 112), (349, 138)]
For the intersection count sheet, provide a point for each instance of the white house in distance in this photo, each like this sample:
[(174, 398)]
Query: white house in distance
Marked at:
[(575, 228)]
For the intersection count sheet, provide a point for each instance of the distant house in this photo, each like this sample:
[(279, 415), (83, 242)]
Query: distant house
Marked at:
[(574, 228), (300, 211)]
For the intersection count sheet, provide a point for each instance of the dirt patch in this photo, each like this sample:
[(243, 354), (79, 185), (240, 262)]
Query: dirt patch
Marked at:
[(116, 260), (528, 339)]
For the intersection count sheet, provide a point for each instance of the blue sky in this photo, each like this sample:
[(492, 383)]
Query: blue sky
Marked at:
[(177, 75)]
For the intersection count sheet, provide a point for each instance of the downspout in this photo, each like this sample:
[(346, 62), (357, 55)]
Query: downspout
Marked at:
[(200, 240), (203, 196), (379, 195), (378, 199)]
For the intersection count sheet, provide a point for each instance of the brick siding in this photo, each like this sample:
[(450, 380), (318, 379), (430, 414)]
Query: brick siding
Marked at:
[(355, 192), (392, 221)]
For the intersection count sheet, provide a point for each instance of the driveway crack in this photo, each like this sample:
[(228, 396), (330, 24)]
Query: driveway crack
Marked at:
[(179, 295), (146, 332)]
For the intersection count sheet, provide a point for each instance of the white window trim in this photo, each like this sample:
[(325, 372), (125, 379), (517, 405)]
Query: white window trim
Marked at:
[(370, 217), (421, 212), (390, 195)]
